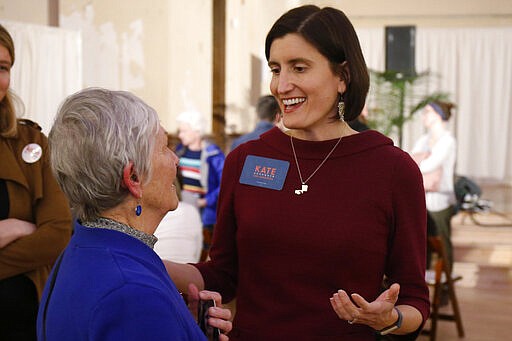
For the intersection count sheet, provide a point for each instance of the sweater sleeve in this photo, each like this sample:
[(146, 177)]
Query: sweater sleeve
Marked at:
[(216, 165), (137, 312), (406, 260), (52, 217), (220, 273)]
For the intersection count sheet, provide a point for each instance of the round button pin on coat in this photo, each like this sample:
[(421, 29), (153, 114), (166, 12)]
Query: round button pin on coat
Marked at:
[(31, 153)]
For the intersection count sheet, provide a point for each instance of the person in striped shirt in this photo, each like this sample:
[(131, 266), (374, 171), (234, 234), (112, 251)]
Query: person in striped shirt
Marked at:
[(201, 164)]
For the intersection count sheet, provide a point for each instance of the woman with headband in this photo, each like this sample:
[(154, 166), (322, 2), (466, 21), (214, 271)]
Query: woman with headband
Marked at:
[(435, 153)]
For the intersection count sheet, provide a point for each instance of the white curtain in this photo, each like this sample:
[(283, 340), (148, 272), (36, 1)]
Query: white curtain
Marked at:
[(373, 45), (475, 67), (47, 68)]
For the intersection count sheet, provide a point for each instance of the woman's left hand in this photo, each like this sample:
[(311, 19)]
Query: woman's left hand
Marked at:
[(218, 317), (377, 314)]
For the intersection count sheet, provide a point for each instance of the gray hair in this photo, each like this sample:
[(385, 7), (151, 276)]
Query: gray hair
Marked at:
[(96, 133)]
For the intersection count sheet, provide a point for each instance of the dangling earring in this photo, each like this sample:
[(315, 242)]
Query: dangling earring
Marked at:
[(138, 210), (341, 109)]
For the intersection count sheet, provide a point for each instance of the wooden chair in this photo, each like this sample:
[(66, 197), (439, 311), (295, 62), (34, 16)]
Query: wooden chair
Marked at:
[(438, 278)]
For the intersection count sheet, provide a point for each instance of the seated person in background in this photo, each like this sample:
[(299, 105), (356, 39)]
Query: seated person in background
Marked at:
[(435, 152), (180, 233), (269, 115), (118, 175)]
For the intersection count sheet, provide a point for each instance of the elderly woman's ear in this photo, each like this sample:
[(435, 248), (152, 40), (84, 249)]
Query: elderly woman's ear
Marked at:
[(131, 181)]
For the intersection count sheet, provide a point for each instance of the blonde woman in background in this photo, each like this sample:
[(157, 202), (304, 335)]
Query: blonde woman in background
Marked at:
[(35, 220)]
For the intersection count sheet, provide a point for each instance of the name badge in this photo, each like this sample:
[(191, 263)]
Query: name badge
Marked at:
[(264, 172)]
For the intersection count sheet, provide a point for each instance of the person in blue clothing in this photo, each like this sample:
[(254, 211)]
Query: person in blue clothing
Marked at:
[(109, 154), (269, 115), (201, 164)]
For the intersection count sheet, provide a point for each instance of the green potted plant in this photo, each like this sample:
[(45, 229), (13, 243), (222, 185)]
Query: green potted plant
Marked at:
[(395, 97)]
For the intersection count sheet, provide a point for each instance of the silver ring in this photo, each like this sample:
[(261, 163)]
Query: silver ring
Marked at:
[(351, 322)]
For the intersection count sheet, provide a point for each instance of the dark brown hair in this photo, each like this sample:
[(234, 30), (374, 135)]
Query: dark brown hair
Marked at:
[(443, 109), (267, 108), (333, 35)]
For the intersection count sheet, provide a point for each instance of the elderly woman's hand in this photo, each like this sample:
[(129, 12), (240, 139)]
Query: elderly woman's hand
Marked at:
[(218, 317)]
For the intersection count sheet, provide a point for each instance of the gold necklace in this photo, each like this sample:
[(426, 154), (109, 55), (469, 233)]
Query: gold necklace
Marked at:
[(304, 186)]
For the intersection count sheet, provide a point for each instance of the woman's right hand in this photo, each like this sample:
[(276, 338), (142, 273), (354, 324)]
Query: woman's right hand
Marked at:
[(12, 229)]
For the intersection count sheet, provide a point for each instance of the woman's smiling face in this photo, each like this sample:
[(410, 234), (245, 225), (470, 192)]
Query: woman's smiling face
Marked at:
[(5, 71), (304, 83)]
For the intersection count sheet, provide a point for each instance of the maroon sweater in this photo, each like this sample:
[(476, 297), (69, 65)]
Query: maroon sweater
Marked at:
[(283, 255)]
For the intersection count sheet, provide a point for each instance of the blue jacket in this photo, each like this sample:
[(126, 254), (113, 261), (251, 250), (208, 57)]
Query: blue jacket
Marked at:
[(212, 164), (111, 286)]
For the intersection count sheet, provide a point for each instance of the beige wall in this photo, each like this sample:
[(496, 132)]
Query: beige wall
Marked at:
[(32, 11), (425, 12), (161, 49), (158, 49), (190, 59)]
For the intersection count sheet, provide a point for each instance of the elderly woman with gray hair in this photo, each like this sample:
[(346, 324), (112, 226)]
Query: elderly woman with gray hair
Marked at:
[(110, 156)]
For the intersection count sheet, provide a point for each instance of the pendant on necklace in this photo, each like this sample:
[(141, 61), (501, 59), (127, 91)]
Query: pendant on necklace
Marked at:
[(303, 190)]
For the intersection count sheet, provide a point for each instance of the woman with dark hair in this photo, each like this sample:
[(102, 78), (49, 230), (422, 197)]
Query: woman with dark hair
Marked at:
[(35, 220), (311, 221)]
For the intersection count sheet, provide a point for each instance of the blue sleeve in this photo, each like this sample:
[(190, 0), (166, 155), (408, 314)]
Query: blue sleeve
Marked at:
[(216, 165), (136, 312)]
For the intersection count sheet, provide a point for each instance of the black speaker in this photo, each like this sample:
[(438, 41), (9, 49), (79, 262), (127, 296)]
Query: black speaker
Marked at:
[(400, 49)]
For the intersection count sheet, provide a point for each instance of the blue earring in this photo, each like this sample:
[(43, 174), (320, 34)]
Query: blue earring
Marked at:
[(138, 210)]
